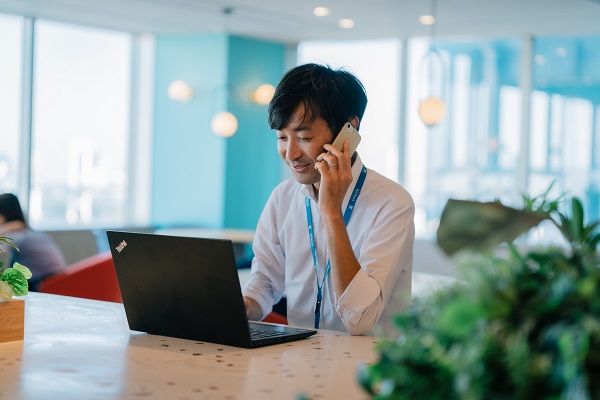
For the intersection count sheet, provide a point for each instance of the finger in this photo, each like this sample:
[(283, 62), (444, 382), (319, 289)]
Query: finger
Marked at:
[(321, 166), (334, 150), (328, 158), (343, 153), (324, 167)]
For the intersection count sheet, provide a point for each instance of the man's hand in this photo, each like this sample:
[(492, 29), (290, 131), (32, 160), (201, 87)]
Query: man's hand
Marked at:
[(253, 310), (336, 177)]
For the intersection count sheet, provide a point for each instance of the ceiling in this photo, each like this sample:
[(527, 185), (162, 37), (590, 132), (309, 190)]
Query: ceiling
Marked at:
[(291, 21)]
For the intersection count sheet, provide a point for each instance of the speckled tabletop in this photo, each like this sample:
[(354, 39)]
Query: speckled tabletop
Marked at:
[(83, 349)]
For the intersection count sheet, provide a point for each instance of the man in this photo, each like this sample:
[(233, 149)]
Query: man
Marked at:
[(334, 275)]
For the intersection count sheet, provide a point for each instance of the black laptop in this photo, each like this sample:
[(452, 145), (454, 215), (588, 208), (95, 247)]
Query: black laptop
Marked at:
[(188, 288)]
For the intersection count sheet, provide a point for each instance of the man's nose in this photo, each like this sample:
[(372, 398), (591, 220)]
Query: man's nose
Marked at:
[(293, 151)]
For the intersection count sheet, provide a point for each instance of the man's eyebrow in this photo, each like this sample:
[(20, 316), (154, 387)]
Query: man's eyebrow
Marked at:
[(301, 127)]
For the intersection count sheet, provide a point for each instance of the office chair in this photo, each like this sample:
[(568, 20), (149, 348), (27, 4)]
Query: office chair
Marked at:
[(91, 278)]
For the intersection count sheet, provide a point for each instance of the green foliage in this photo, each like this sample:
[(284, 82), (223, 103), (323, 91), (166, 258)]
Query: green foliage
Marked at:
[(482, 225), (8, 241), (13, 281), (519, 325)]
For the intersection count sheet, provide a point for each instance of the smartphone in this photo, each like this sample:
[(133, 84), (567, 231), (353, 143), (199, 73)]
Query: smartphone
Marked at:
[(351, 135)]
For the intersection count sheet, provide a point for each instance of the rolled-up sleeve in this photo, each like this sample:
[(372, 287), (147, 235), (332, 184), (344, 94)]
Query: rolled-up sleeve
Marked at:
[(386, 271)]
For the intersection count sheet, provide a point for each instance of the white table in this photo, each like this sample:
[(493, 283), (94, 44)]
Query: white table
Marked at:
[(82, 349)]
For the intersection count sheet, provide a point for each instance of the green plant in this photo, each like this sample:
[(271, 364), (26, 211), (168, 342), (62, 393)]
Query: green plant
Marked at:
[(521, 324), (13, 281)]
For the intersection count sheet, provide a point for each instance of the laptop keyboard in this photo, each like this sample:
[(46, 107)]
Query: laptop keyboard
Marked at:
[(260, 334)]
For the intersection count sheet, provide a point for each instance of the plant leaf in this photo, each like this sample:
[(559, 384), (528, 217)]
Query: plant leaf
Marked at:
[(6, 292), (16, 280), (594, 240), (24, 270), (576, 222), (590, 229), (480, 226), (9, 241), (459, 317)]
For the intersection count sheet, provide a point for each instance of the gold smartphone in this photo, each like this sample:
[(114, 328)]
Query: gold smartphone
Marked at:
[(349, 133)]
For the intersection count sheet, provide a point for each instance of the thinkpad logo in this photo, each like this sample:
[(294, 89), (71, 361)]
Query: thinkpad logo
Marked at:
[(121, 246)]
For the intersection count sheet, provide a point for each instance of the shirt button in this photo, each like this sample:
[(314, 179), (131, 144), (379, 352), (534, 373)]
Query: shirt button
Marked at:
[(320, 252)]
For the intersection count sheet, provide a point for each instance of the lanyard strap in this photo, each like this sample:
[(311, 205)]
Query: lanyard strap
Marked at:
[(311, 236)]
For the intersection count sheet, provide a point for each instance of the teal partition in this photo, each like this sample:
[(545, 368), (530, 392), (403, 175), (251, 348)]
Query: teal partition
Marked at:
[(253, 164), (200, 179)]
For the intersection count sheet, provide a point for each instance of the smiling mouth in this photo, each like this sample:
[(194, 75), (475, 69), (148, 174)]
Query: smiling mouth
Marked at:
[(299, 167)]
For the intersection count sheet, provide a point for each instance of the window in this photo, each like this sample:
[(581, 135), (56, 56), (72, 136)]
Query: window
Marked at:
[(565, 119), (11, 51), (473, 152), (81, 111)]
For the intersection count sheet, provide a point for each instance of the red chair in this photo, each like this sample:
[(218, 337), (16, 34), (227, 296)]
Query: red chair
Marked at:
[(91, 278), (276, 318)]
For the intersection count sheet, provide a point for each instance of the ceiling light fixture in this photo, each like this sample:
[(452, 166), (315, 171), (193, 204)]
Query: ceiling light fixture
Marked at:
[(224, 124), (179, 90), (263, 94), (427, 19), (321, 11), (561, 52), (432, 107), (346, 23)]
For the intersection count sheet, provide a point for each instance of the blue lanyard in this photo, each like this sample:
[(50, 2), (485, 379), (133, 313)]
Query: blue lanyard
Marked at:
[(311, 236)]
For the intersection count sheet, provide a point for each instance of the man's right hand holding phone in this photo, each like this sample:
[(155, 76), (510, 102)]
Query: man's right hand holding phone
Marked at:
[(335, 167), (336, 177)]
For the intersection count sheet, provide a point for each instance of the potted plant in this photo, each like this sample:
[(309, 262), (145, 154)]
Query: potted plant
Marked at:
[(521, 324), (13, 282)]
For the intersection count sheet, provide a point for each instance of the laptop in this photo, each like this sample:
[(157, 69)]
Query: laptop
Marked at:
[(188, 288)]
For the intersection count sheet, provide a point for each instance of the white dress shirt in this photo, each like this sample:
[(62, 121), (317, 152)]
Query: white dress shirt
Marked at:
[(381, 232)]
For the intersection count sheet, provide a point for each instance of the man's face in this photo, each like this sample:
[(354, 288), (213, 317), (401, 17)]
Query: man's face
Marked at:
[(299, 144)]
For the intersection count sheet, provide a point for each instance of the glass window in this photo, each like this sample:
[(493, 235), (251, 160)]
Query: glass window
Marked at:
[(473, 152), (565, 119), (81, 108), (11, 55), (377, 64)]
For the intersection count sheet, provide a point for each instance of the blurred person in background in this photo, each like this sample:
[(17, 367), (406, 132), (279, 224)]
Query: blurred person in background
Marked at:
[(37, 251)]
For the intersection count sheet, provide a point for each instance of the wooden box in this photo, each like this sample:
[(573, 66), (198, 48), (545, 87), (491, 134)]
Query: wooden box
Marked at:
[(12, 320)]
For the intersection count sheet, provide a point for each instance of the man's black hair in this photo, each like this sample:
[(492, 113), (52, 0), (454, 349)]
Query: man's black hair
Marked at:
[(333, 95)]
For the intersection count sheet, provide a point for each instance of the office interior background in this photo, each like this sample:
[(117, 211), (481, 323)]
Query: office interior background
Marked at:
[(90, 137)]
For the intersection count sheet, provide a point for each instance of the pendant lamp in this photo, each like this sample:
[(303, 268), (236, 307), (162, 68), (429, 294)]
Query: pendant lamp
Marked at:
[(432, 107)]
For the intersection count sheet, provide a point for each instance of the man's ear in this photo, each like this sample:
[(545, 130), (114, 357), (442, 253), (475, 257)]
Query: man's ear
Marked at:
[(354, 121)]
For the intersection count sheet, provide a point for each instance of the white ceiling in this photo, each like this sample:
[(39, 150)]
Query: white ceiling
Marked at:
[(292, 20)]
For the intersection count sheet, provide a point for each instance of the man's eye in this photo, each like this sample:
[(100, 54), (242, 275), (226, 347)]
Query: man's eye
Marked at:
[(280, 137), (304, 139)]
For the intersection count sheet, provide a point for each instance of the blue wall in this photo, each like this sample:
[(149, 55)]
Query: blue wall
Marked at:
[(253, 164), (200, 179)]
